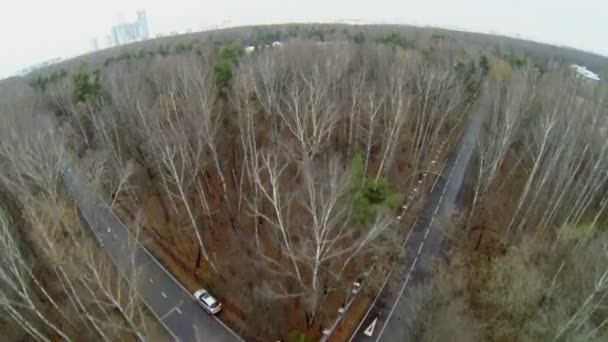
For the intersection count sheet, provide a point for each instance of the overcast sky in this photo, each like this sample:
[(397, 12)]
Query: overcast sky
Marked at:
[(32, 31)]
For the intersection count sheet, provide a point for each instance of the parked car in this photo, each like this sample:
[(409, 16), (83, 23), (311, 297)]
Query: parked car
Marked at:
[(207, 301)]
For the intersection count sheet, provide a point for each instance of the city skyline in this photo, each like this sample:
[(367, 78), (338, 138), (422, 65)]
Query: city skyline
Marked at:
[(123, 32), (579, 25)]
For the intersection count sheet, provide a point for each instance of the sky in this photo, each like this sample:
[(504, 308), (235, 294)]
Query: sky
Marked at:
[(32, 31)]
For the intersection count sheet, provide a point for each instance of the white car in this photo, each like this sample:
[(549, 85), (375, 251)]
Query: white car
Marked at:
[(207, 301)]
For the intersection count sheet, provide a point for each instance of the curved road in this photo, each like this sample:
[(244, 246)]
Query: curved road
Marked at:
[(164, 296), (385, 320)]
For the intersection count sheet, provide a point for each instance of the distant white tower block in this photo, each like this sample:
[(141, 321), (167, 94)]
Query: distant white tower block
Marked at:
[(107, 41), (94, 44), (142, 21)]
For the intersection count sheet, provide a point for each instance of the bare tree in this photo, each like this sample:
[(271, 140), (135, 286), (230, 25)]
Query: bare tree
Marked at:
[(180, 160), (318, 243), (47, 258)]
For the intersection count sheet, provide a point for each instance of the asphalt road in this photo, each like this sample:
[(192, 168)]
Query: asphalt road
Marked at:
[(171, 303), (385, 320)]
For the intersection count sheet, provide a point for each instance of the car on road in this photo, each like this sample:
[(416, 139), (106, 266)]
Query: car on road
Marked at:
[(207, 301)]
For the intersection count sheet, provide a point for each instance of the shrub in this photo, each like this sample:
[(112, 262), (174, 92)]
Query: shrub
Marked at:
[(267, 38), (108, 61), (437, 36), (369, 194), (223, 73), (298, 336), (515, 61), (467, 72), (87, 86), (396, 40), (228, 58), (541, 66), (429, 53), (41, 82), (164, 50), (484, 64), (359, 38), (182, 47), (231, 52)]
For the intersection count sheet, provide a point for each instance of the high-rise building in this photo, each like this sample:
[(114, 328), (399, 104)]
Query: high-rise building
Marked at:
[(125, 33), (107, 41), (94, 44), (142, 21)]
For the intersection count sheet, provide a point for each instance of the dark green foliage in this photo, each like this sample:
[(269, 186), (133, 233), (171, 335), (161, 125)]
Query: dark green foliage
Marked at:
[(223, 73), (297, 336), (140, 54), (125, 56), (183, 47), (128, 56), (484, 64), (320, 34), (231, 52), (467, 71), (429, 54), (396, 40), (87, 86), (376, 191), (294, 31), (109, 61), (357, 179), (369, 194), (437, 36), (541, 66), (359, 38), (228, 58), (164, 49), (515, 61), (41, 82), (267, 38)]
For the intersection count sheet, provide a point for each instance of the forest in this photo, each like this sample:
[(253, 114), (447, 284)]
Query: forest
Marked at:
[(276, 179)]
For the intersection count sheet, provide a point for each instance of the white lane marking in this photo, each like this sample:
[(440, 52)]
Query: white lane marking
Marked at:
[(370, 329), (391, 272), (427, 232), (413, 265), (163, 294), (420, 247), (407, 279), (78, 198), (227, 327), (172, 277), (178, 311)]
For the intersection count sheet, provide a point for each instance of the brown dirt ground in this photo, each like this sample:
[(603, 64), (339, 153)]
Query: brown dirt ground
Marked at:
[(492, 215), (233, 254)]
